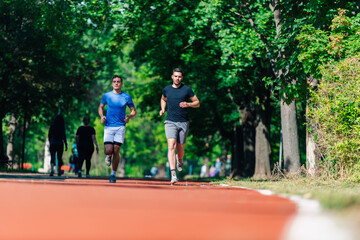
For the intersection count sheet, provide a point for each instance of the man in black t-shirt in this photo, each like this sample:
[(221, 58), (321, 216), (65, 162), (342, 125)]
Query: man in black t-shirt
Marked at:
[(85, 140), (176, 97)]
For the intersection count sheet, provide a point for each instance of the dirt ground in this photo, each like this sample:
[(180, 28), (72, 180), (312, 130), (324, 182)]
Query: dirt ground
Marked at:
[(69, 208)]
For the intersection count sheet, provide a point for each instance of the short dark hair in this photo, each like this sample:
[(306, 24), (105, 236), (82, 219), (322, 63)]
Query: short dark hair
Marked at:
[(86, 118), (117, 76), (177, 70)]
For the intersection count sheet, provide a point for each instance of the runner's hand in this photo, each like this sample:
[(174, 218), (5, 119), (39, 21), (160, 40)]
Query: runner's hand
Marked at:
[(103, 119), (184, 104), (161, 112), (127, 118)]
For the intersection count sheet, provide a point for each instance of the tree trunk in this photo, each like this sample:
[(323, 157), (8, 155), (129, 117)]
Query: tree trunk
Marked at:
[(237, 151), (290, 137), (311, 165), (248, 163), (10, 139), (2, 155), (262, 150), (312, 155), (224, 152)]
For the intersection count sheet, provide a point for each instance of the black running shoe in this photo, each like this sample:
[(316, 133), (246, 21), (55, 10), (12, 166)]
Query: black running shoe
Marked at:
[(112, 179)]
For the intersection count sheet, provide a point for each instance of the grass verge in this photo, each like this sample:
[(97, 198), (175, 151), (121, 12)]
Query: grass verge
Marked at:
[(330, 193)]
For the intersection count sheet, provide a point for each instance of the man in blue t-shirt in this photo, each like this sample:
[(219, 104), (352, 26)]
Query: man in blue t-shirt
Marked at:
[(115, 121), (176, 97)]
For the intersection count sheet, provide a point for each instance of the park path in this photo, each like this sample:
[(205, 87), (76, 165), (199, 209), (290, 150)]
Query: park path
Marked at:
[(70, 208)]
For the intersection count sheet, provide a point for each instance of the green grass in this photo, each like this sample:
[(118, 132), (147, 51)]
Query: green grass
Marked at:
[(334, 195)]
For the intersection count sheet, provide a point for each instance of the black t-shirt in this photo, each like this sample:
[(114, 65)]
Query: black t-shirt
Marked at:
[(85, 133), (174, 97)]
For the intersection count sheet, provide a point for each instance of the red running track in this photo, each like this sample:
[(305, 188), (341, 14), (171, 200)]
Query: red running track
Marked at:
[(137, 209)]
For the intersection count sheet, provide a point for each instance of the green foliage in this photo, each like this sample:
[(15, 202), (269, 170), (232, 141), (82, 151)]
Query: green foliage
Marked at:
[(331, 194), (333, 57), (320, 47), (335, 111)]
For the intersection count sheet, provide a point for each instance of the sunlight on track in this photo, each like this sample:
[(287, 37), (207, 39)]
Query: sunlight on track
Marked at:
[(191, 209)]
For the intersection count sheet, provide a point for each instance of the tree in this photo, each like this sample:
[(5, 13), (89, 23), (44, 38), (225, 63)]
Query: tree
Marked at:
[(43, 58)]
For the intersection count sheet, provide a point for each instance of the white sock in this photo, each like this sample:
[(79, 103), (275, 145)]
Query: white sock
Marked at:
[(113, 173)]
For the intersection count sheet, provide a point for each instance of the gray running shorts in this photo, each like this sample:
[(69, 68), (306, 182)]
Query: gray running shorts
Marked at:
[(177, 130)]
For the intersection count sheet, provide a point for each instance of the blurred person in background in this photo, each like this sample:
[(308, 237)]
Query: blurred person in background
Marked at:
[(217, 167), (73, 160), (228, 165), (85, 140), (57, 139)]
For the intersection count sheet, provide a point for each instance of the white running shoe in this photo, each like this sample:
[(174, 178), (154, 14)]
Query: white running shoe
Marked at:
[(179, 165), (174, 179), (108, 160)]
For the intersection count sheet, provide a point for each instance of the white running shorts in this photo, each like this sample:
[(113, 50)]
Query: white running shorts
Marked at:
[(114, 135)]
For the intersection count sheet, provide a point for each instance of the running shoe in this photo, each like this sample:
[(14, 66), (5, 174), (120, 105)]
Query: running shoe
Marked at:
[(179, 165), (87, 175), (79, 174), (174, 179), (51, 173), (108, 160), (112, 179)]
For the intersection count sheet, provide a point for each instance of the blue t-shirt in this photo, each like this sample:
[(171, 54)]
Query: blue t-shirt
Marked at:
[(116, 108), (174, 97)]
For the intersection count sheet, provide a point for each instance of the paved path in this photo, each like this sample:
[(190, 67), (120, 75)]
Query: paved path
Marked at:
[(70, 208)]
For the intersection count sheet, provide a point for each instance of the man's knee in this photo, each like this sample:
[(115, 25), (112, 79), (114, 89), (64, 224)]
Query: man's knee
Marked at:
[(116, 149), (172, 145), (108, 149)]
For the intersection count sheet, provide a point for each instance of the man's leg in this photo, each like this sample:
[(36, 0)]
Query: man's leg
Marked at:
[(59, 153), (180, 149), (171, 152), (88, 156), (172, 142), (52, 159), (171, 132), (116, 159), (119, 137), (81, 161)]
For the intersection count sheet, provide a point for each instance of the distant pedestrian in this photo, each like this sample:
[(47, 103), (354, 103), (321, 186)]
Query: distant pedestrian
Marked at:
[(217, 167), (228, 165), (57, 139), (212, 171), (176, 97), (85, 140), (73, 160), (203, 171), (115, 121)]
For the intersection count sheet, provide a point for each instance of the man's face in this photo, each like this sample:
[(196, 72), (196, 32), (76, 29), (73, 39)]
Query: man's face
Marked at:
[(116, 83), (177, 78)]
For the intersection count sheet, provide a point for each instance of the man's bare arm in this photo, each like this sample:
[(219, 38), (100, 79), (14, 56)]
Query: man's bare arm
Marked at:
[(163, 105), (194, 104), (131, 115), (101, 112)]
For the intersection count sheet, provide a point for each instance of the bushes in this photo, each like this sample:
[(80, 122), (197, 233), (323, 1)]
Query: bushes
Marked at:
[(332, 55), (335, 111)]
